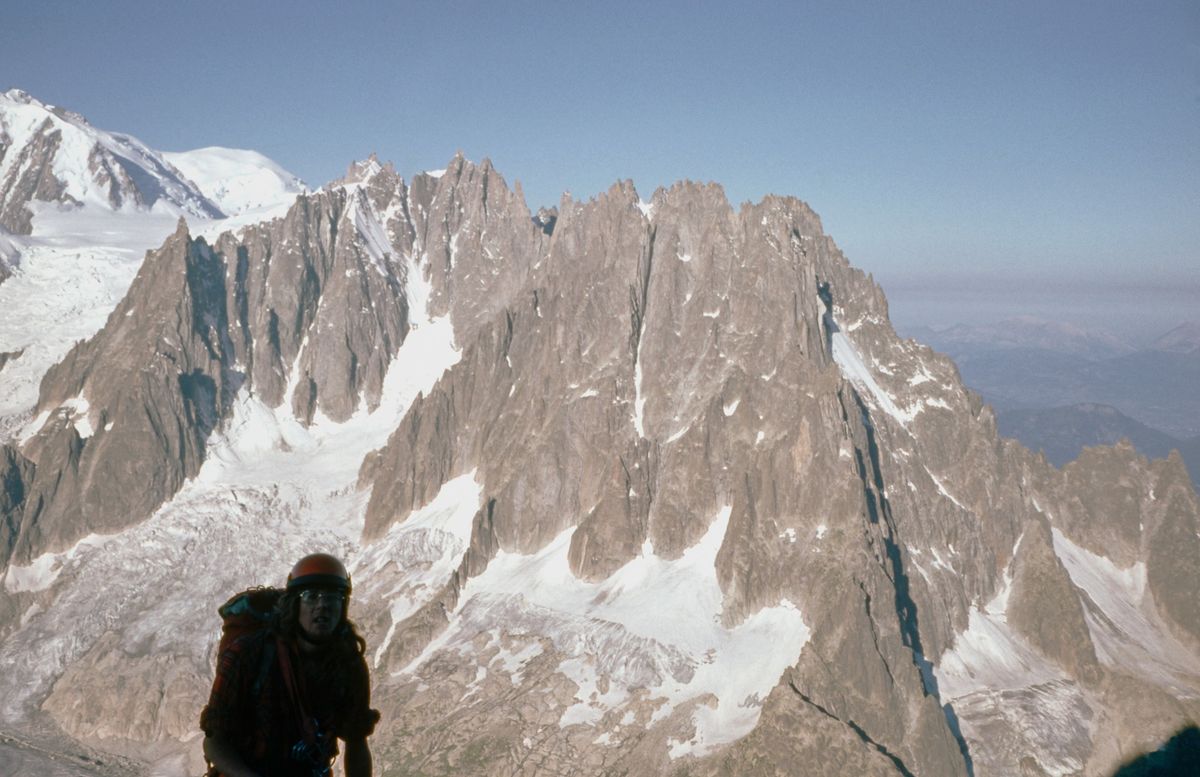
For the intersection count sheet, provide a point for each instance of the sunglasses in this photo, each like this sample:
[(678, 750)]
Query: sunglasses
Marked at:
[(316, 596)]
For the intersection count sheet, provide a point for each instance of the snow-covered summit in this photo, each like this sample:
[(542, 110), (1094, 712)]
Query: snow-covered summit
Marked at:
[(237, 180), (48, 154)]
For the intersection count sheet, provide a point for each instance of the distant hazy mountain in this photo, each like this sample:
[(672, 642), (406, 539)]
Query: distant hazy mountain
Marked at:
[(1031, 365), (1062, 432), (1024, 333), (1184, 338)]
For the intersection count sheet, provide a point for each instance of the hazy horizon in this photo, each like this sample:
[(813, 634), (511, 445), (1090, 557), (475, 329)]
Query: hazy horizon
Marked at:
[(1132, 311), (1024, 139)]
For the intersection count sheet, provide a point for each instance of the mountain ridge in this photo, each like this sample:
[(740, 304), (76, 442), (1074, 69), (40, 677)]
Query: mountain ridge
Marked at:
[(51, 155)]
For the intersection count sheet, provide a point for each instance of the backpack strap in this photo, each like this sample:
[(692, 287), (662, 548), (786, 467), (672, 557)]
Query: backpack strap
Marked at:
[(292, 684), (264, 667)]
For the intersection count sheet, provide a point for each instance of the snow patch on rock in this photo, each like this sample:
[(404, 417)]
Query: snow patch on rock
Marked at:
[(1127, 633), (855, 370)]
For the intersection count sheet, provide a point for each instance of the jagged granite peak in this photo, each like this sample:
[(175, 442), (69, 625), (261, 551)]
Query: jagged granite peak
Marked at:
[(319, 305), (308, 309), (642, 352), (364, 170), (627, 385), (476, 241), (1044, 605), (51, 155), (112, 446), (206, 321), (673, 499)]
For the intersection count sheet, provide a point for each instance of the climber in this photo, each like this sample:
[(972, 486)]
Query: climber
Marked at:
[(291, 679)]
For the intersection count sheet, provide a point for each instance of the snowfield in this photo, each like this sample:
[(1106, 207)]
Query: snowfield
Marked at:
[(236, 179)]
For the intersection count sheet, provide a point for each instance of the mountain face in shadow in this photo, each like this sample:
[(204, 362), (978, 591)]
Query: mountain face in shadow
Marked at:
[(1179, 757)]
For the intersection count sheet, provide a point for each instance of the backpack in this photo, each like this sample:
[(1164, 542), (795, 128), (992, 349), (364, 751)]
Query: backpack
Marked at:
[(250, 613), (246, 613)]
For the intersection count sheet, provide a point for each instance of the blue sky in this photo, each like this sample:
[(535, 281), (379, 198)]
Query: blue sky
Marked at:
[(1018, 150)]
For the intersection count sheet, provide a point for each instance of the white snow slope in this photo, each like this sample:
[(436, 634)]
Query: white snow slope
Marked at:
[(162, 187), (237, 180)]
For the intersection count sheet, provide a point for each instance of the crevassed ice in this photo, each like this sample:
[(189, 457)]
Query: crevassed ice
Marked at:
[(654, 624)]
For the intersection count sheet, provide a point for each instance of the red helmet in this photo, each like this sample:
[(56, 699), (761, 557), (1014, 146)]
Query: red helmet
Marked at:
[(319, 569)]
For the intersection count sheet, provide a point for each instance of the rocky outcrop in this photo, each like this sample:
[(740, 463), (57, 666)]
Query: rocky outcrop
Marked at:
[(1173, 561), (1045, 606), (30, 178), (116, 443)]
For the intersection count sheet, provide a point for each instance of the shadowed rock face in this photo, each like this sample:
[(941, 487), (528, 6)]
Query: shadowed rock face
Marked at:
[(15, 474), (1173, 561), (1045, 605), (627, 375)]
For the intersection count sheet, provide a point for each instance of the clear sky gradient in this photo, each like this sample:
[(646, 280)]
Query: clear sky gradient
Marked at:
[(1040, 150)]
